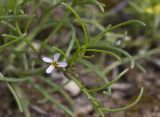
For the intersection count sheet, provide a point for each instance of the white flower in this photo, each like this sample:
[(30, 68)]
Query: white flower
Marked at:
[(54, 63)]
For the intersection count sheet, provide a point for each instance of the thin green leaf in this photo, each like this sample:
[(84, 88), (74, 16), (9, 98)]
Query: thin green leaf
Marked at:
[(126, 107), (96, 70), (8, 25), (2, 78), (80, 21), (117, 50), (70, 44), (11, 88), (12, 17), (141, 67), (106, 52), (22, 99), (110, 83), (99, 36), (12, 42)]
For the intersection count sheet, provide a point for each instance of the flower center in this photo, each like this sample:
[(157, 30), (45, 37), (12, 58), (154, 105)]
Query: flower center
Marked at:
[(54, 63)]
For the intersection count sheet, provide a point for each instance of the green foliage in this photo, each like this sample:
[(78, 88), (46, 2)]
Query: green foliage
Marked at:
[(24, 29)]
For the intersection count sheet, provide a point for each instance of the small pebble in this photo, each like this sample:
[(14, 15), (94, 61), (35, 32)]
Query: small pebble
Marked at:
[(72, 88)]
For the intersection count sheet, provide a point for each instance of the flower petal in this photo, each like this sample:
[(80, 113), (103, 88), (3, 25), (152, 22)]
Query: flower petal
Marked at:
[(50, 69), (46, 59), (62, 64), (56, 56)]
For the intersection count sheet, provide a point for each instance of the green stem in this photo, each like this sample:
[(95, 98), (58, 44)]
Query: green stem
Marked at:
[(92, 99)]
